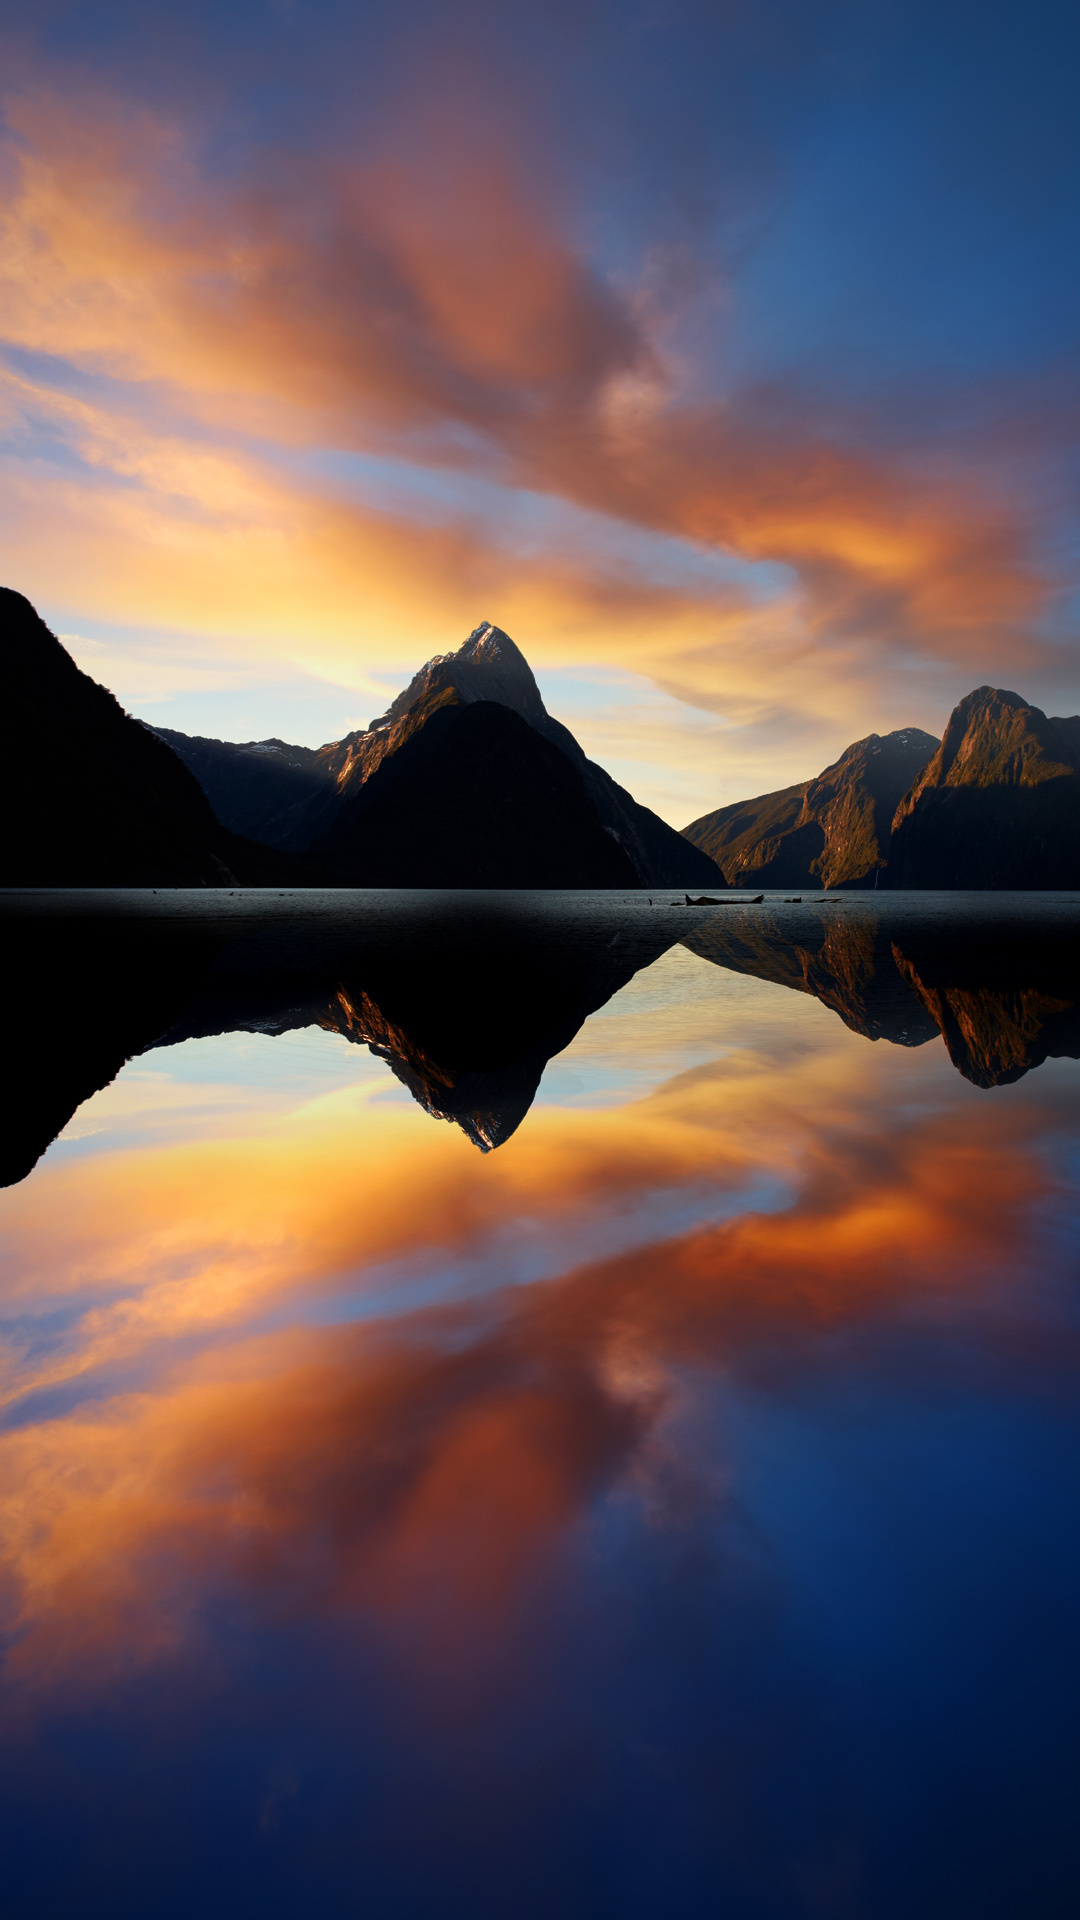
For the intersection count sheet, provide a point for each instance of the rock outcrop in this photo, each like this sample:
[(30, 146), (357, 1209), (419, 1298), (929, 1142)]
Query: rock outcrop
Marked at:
[(832, 831)]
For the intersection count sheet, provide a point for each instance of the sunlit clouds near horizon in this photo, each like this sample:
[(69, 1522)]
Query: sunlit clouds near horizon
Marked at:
[(724, 356)]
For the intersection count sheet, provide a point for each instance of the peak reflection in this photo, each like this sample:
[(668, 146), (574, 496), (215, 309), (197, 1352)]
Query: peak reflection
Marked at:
[(465, 996)]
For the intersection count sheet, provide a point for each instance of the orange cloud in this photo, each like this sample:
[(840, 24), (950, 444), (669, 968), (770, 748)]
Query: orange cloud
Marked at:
[(368, 296), (367, 306)]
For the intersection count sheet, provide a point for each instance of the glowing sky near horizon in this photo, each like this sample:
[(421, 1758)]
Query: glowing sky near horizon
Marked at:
[(724, 355)]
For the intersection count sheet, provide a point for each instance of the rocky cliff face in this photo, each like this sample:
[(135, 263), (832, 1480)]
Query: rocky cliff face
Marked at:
[(89, 797), (829, 832), (300, 798), (998, 805)]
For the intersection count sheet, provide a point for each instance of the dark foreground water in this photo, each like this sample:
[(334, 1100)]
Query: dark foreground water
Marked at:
[(460, 1461)]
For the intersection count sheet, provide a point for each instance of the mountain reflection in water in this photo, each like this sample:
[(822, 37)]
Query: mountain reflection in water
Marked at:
[(671, 1512), (468, 996)]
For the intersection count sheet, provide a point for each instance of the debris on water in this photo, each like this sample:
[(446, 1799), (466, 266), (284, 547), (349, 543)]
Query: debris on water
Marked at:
[(710, 900)]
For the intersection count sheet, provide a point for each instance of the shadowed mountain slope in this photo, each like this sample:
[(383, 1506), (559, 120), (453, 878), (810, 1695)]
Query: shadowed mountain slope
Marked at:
[(89, 796), (998, 806), (470, 796), (832, 831), (298, 798), (262, 788)]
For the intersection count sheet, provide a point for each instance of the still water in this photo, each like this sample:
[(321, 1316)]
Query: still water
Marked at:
[(656, 1499)]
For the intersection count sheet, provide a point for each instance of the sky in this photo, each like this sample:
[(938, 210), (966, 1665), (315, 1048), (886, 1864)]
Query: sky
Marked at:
[(725, 355)]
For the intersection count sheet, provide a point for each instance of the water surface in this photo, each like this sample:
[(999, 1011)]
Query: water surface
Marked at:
[(634, 1474)]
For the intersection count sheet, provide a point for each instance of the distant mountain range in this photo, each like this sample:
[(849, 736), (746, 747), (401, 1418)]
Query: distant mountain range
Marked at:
[(995, 804), (467, 781)]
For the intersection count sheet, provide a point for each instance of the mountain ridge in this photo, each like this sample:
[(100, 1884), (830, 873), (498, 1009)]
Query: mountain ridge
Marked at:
[(467, 780), (994, 805), (831, 831), (488, 668), (446, 789)]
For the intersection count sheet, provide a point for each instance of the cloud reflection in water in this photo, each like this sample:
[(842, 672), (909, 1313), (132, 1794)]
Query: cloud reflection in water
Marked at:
[(640, 1574)]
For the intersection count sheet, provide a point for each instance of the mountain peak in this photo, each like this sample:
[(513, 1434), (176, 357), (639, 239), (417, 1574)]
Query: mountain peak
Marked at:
[(994, 737), (996, 806), (487, 642), (488, 671), (487, 666)]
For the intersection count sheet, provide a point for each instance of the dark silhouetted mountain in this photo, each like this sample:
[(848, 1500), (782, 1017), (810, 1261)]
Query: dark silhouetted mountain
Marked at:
[(89, 796), (471, 796), (829, 832), (299, 798), (997, 806), (84, 992), (465, 997)]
